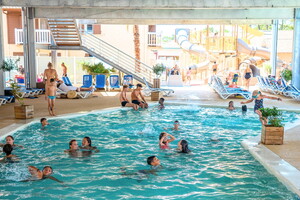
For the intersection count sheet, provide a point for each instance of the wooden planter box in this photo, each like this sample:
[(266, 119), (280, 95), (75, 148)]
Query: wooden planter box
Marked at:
[(155, 96), (272, 135), (156, 83), (24, 112)]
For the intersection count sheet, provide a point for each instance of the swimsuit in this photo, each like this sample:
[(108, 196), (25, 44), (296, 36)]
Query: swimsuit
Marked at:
[(136, 102), (235, 78), (258, 104), (123, 103), (247, 75), (51, 97)]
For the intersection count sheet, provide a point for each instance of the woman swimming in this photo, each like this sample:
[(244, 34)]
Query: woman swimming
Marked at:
[(10, 140), (165, 139), (230, 105), (39, 175), (7, 149), (87, 144), (183, 147), (258, 99)]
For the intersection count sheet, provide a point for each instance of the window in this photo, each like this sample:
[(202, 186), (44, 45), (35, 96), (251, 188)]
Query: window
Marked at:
[(89, 28)]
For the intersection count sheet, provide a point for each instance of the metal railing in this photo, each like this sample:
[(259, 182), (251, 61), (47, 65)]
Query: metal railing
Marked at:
[(42, 36), (154, 39), (116, 58)]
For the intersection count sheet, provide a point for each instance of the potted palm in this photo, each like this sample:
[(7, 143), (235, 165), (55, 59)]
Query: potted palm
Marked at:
[(273, 130), (9, 65), (158, 69), (22, 111)]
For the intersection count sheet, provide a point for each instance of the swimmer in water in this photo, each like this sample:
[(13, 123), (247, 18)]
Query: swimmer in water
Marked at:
[(7, 149), (183, 147), (40, 175), (230, 105), (87, 144), (176, 126), (165, 139), (44, 122), (161, 103), (10, 140)]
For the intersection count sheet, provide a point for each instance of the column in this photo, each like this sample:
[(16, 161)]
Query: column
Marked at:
[(274, 47), (296, 50), (29, 47), (54, 58), (2, 77)]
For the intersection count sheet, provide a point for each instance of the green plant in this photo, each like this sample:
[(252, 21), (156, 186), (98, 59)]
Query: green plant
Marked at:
[(158, 69), (287, 74), (273, 115), (94, 68), (10, 64), (16, 92), (267, 67)]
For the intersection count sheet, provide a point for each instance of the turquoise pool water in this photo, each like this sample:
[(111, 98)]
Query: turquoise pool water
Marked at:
[(214, 170)]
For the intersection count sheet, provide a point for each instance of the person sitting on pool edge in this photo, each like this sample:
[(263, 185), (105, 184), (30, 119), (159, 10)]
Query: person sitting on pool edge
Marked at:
[(87, 144), (7, 149), (165, 139), (161, 103), (230, 105), (10, 140), (183, 147), (124, 101), (44, 122), (40, 175), (137, 97)]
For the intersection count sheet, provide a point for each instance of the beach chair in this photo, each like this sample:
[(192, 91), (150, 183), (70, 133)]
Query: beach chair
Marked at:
[(261, 84), (2, 101), (87, 81), (114, 81), (225, 92), (100, 81), (7, 98), (67, 81), (85, 94), (148, 89), (128, 80), (271, 86)]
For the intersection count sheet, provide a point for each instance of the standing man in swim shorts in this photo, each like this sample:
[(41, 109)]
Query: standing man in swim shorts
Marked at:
[(124, 101), (64, 69), (137, 97), (51, 93)]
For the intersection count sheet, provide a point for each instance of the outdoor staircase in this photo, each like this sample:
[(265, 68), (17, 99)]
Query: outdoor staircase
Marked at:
[(64, 32), (67, 37)]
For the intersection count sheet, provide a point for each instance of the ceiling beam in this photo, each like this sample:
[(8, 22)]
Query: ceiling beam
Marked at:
[(165, 14), (154, 4)]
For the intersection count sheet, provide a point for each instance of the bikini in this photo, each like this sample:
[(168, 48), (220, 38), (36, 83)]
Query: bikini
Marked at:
[(248, 75), (51, 97)]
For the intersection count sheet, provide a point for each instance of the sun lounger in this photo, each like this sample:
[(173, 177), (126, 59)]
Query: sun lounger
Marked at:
[(128, 80), (114, 81), (148, 89), (67, 81), (2, 101), (87, 81), (100, 81), (7, 98)]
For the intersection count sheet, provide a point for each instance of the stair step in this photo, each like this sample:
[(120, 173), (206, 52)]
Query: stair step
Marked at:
[(56, 21), (65, 31), (68, 44), (67, 39), (61, 24), (65, 36)]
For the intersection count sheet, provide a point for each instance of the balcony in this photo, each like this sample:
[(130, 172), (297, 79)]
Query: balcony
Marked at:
[(42, 36), (154, 39)]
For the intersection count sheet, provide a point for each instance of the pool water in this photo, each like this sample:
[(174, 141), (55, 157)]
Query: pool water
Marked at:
[(219, 169)]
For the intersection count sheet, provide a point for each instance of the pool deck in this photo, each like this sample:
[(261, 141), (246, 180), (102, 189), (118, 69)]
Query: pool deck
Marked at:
[(202, 95)]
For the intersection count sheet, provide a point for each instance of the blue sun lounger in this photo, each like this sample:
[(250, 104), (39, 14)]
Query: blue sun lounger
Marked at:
[(87, 81), (128, 80), (67, 81), (100, 81), (7, 98), (114, 81)]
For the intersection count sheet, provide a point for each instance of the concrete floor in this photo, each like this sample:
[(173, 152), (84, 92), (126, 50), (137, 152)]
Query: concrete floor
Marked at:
[(203, 95)]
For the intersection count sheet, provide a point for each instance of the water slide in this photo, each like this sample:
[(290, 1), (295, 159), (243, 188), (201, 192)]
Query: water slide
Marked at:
[(182, 38), (243, 47)]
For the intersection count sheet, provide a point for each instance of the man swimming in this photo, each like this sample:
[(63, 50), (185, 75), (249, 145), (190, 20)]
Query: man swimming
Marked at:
[(44, 122)]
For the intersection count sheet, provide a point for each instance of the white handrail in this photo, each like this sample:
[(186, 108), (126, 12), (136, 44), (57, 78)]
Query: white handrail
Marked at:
[(42, 36)]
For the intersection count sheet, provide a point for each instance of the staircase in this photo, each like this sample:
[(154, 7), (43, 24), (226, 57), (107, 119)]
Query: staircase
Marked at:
[(66, 37), (64, 32)]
